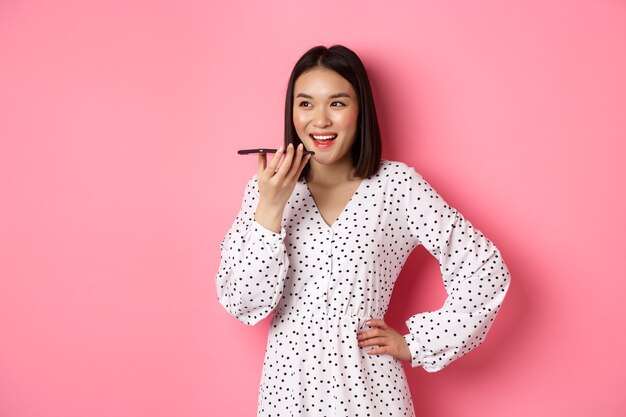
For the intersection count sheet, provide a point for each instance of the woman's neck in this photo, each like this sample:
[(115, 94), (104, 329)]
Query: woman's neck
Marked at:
[(331, 175)]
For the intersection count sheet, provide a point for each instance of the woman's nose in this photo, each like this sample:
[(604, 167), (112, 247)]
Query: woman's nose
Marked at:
[(321, 119)]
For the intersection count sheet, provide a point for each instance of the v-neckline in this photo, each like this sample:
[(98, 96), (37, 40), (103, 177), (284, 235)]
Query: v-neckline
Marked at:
[(343, 211)]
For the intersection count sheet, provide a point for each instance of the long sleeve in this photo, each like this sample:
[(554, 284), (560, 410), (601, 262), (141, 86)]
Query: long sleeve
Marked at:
[(253, 264), (474, 274)]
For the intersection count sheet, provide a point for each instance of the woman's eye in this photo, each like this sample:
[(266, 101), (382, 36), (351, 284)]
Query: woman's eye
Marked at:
[(337, 104), (304, 104)]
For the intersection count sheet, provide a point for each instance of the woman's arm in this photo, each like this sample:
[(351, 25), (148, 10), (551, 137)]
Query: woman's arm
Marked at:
[(253, 264), (254, 259), (474, 275)]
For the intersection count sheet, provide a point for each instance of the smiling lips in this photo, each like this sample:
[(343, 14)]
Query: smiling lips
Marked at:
[(323, 140)]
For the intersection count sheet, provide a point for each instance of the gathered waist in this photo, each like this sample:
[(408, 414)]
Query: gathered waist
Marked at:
[(295, 315)]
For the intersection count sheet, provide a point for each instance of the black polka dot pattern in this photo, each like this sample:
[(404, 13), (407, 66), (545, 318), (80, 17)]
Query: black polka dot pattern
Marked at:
[(323, 282)]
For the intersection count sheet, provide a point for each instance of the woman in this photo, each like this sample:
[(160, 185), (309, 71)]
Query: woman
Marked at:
[(319, 241)]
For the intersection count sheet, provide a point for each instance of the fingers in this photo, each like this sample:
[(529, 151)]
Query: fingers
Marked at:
[(377, 323), (262, 163), (286, 164), (291, 166), (303, 163), (371, 334), (378, 350), (299, 162), (380, 344), (295, 164), (372, 341), (377, 336), (384, 340), (271, 167)]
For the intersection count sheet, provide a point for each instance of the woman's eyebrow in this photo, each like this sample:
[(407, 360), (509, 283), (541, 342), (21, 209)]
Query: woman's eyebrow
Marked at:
[(332, 96)]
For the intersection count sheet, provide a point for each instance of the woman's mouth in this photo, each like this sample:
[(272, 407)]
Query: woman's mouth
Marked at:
[(323, 140)]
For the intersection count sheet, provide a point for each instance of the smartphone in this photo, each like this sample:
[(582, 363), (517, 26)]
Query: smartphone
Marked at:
[(266, 150)]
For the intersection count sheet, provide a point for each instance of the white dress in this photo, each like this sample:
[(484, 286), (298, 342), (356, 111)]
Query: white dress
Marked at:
[(323, 283)]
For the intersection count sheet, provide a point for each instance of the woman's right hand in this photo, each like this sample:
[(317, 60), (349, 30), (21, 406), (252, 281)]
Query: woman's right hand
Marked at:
[(276, 185)]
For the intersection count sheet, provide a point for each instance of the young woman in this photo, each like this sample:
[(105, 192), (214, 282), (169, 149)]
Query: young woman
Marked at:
[(319, 241)]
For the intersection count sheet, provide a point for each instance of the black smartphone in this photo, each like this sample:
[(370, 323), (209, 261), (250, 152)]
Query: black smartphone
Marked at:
[(266, 150)]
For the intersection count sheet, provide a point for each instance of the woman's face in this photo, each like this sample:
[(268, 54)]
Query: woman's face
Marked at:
[(325, 114)]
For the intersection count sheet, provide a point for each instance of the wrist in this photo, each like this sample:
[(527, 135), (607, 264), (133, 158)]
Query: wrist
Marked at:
[(270, 208), (269, 216)]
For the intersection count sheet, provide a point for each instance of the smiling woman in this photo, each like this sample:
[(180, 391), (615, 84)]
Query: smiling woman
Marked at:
[(325, 115), (320, 241), (334, 77)]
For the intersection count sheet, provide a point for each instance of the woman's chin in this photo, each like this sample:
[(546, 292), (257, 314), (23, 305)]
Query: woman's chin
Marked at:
[(322, 159)]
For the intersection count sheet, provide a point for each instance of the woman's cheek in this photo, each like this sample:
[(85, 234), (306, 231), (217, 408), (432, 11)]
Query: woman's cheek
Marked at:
[(298, 121), (348, 119)]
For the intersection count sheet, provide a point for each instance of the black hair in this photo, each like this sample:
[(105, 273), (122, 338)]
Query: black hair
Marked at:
[(367, 147)]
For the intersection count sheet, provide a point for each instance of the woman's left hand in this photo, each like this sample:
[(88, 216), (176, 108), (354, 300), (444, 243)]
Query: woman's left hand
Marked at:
[(388, 340)]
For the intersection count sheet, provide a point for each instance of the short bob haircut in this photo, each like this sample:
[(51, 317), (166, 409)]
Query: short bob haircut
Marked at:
[(367, 148)]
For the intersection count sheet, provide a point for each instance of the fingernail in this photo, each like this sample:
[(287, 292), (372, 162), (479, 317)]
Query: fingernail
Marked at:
[(282, 148)]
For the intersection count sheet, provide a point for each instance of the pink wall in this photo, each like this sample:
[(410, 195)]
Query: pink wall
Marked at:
[(119, 122)]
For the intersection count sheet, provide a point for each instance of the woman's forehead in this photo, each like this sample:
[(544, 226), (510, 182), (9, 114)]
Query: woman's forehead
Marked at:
[(322, 82)]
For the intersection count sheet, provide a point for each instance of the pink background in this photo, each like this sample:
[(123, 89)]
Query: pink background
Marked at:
[(119, 123)]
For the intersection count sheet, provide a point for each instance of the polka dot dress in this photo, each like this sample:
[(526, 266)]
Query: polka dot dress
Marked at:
[(323, 283)]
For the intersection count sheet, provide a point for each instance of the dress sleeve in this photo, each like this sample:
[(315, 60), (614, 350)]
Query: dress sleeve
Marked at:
[(474, 274), (253, 264)]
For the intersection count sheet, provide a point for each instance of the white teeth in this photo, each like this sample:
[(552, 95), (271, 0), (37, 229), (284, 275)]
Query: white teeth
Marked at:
[(324, 137)]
